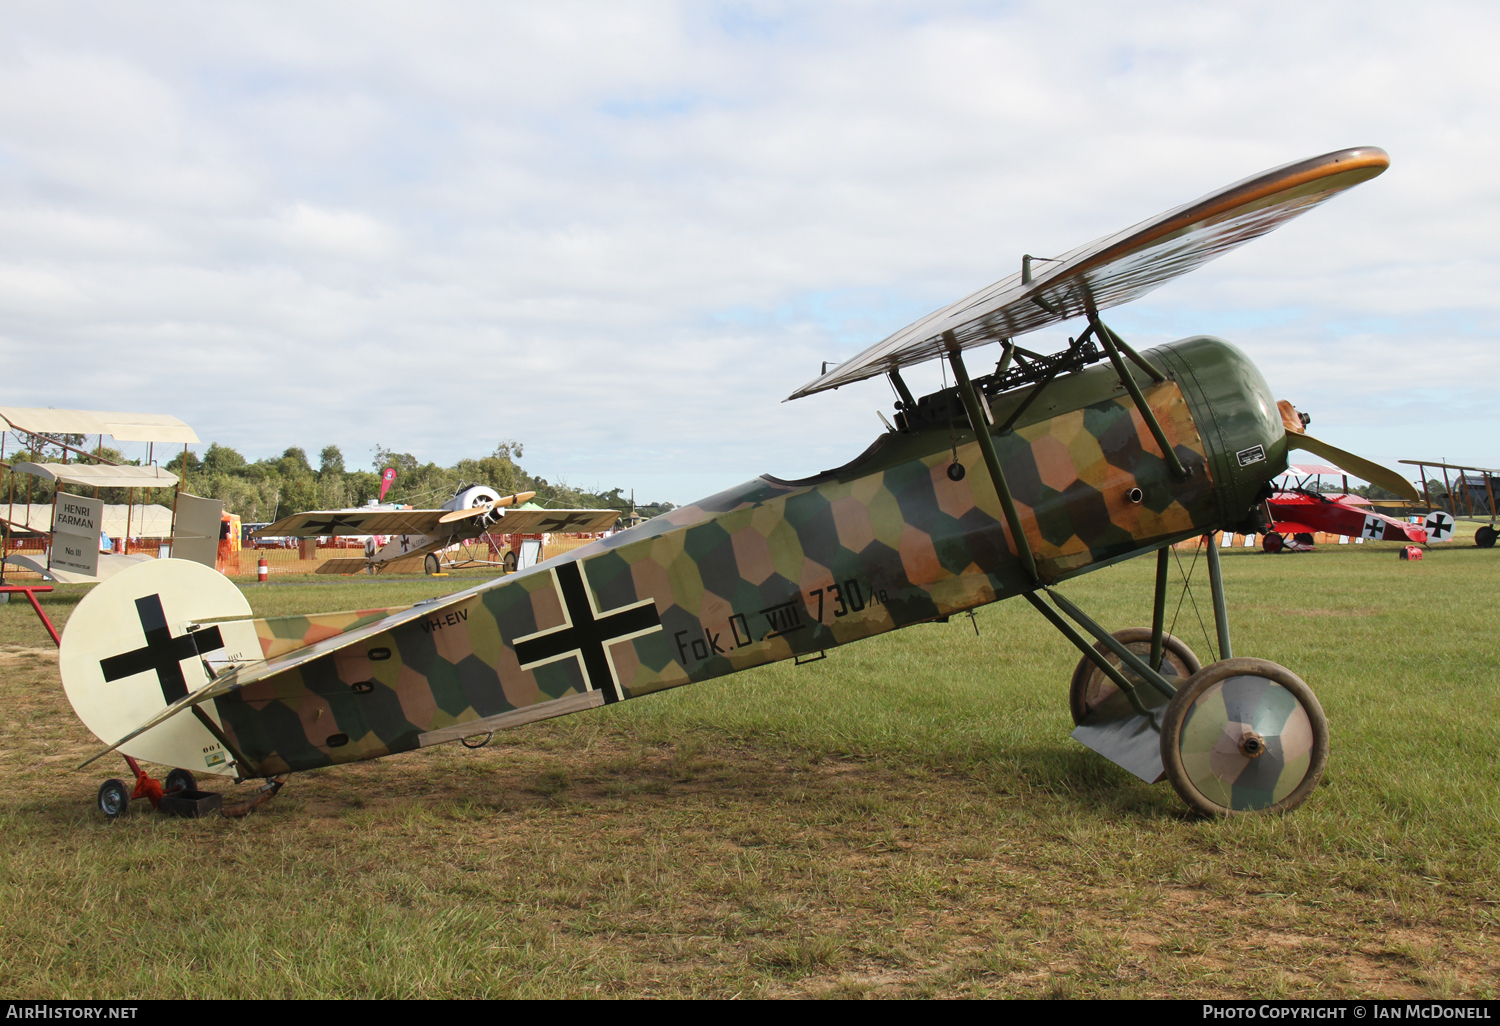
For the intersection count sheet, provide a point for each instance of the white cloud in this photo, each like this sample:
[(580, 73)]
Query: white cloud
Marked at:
[(341, 233)]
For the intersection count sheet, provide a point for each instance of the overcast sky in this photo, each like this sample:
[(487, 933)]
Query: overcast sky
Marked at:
[(623, 233)]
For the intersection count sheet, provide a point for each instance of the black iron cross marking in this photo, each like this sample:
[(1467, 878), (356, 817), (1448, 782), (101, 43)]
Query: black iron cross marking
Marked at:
[(163, 653), (333, 523), (586, 635)]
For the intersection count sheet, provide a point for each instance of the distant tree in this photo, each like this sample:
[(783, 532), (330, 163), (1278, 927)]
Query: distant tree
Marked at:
[(1375, 492), (330, 461), (404, 462), (294, 461), (220, 459), (194, 465)]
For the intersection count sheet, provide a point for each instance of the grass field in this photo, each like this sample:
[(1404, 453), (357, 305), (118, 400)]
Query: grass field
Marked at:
[(905, 818)]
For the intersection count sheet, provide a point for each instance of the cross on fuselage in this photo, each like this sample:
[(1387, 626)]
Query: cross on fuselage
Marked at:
[(163, 653), (587, 636)]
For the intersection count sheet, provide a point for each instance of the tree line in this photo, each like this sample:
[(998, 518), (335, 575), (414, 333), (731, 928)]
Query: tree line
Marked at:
[(265, 490)]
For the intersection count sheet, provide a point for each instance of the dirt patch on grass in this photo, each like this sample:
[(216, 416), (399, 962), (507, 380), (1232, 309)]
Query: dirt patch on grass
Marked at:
[(11, 653)]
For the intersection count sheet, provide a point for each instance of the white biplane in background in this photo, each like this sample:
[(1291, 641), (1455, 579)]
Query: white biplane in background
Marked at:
[(419, 537)]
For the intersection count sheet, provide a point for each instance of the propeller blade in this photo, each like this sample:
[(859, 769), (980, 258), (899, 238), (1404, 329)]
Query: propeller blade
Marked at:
[(465, 514), (1356, 466)]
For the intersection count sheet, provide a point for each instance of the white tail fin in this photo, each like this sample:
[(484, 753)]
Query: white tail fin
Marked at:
[(138, 642)]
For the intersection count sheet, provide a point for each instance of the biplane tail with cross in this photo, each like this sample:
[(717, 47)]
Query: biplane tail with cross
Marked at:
[(1009, 483)]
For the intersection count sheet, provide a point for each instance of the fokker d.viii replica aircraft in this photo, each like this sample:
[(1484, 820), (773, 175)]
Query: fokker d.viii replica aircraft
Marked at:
[(1048, 467), (423, 534)]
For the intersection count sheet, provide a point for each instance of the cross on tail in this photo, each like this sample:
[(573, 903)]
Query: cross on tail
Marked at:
[(162, 652)]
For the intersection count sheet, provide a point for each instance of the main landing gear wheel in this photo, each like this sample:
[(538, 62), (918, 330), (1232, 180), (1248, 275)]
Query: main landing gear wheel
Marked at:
[(1091, 688), (114, 798), (1244, 736), (1485, 537), (1304, 538), (430, 565), (1273, 543), (179, 780)]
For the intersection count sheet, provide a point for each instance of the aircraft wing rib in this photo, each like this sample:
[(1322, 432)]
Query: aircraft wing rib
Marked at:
[(321, 523), (1117, 268), (554, 521)]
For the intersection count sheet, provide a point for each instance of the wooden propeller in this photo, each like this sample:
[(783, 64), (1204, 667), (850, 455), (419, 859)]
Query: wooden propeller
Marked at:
[(488, 508)]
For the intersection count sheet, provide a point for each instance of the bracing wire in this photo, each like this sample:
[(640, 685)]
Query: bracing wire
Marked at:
[(1187, 594)]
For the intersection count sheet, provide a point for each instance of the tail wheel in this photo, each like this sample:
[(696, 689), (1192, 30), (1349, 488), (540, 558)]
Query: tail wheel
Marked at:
[(1273, 543), (430, 564), (1244, 736), (114, 798), (1090, 688), (1485, 537), (179, 780)]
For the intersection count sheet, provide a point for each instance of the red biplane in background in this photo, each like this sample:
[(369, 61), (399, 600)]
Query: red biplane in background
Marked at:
[(1301, 511), (1301, 508)]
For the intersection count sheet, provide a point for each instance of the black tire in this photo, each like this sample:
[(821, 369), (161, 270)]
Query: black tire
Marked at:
[(114, 798), (1303, 538), (1260, 747), (1273, 543), (1485, 537), (179, 780), (430, 565), (1090, 688), (510, 562)]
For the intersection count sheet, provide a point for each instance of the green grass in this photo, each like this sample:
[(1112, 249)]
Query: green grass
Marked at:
[(905, 818)]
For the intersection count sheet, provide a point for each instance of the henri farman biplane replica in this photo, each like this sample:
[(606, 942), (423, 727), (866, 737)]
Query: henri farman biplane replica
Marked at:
[(1047, 467)]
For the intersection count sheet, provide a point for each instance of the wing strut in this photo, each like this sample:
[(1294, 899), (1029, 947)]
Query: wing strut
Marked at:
[(1108, 340), (991, 459)]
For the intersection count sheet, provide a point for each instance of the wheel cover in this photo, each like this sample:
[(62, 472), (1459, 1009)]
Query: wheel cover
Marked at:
[(1220, 726), (112, 801), (1091, 691)]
